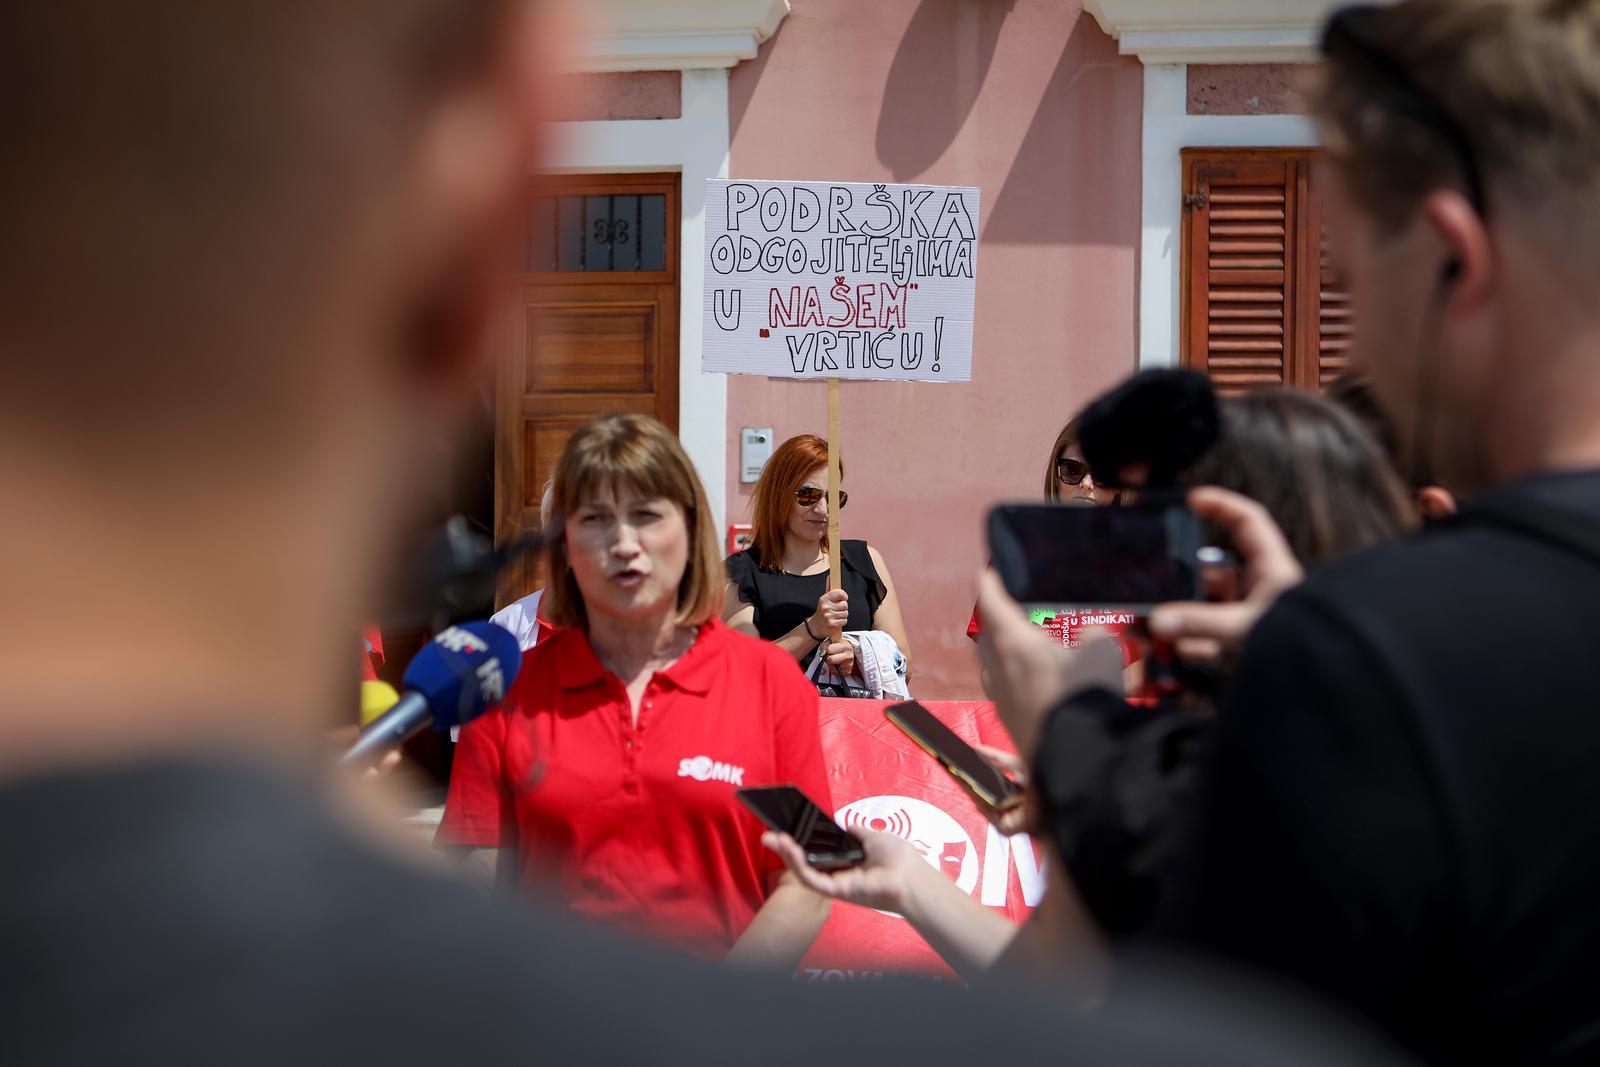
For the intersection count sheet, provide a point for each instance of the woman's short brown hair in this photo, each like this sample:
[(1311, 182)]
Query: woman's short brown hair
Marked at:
[(769, 506), (636, 453)]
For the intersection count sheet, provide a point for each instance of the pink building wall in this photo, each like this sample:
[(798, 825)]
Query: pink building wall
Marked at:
[(1029, 101)]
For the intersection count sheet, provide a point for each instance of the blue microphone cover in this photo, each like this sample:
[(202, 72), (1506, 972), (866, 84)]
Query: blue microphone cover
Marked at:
[(465, 670)]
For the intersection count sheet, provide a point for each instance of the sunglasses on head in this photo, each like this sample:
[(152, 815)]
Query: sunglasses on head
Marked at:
[(1347, 41), (808, 495), (1071, 471)]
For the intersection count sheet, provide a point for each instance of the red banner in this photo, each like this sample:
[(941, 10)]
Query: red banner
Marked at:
[(882, 781)]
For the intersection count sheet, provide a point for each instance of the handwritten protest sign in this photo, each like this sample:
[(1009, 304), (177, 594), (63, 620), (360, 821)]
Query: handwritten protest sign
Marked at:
[(840, 280)]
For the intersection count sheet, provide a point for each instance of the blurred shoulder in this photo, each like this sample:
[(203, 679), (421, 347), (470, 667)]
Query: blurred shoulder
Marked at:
[(1456, 564), (1407, 604)]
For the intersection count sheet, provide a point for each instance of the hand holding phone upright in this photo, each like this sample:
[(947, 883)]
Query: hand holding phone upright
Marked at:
[(985, 781), (1019, 818), (996, 780), (1026, 674), (1127, 557), (1201, 630)]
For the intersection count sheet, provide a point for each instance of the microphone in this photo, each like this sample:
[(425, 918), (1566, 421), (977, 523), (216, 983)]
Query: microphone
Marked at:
[(455, 678), (1164, 420)]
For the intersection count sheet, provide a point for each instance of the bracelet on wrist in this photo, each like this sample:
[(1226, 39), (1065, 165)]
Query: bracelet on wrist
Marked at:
[(807, 625)]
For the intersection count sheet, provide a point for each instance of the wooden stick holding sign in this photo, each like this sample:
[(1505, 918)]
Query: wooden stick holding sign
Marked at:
[(835, 476), (839, 281)]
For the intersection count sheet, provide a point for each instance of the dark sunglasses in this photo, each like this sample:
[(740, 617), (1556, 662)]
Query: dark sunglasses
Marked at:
[(808, 495), (1071, 471), (1347, 42)]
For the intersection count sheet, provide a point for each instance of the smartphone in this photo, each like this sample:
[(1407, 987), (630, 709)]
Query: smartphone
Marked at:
[(1129, 557), (958, 757), (827, 845)]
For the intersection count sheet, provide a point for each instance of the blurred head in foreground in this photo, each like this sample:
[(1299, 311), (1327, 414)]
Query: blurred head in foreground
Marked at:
[(251, 249), (1464, 206)]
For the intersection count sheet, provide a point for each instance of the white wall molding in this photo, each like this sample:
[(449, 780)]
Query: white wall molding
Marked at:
[(1213, 31), (674, 34), (1168, 129), (696, 145)]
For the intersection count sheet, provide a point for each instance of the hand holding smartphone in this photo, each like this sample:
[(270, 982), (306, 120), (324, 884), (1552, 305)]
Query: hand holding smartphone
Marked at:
[(965, 763), (1129, 557), (783, 808)]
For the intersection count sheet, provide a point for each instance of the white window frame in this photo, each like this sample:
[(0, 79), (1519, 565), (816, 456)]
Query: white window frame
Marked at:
[(695, 145), (1167, 36), (1168, 130)]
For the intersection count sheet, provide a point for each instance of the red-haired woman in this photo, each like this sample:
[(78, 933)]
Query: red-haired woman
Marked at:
[(778, 587)]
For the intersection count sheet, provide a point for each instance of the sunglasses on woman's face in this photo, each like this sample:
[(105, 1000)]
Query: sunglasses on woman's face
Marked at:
[(1071, 471), (808, 495)]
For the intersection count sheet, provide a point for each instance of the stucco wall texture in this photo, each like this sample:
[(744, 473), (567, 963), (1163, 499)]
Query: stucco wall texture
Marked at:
[(1029, 101), (1248, 89), (645, 94)]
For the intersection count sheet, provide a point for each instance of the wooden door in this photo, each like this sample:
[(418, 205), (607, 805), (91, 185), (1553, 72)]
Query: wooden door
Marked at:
[(594, 331)]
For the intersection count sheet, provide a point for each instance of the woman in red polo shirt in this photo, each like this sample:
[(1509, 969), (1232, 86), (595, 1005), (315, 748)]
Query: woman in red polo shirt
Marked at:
[(609, 772)]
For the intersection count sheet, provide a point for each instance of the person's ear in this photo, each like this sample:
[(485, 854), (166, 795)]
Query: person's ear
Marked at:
[(1466, 267), (1435, 502)]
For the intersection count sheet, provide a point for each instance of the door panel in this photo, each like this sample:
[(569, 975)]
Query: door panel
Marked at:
[(594, 331)]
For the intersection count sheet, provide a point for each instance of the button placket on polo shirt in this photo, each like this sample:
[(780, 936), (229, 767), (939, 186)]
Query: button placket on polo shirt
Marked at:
[(630, 740), (635, 732)]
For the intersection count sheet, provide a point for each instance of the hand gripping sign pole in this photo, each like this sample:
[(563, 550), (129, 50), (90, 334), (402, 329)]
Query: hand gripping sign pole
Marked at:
[(840, 281)]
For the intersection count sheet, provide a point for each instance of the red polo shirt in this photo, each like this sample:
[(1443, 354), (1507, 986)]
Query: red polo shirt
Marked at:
[(638, 825)]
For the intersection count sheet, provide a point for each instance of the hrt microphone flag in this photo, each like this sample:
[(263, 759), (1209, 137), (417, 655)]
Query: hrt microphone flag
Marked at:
[(461, 673)]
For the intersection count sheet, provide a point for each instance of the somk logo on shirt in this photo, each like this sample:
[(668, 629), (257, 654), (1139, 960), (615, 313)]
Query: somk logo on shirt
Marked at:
[(706, 769)]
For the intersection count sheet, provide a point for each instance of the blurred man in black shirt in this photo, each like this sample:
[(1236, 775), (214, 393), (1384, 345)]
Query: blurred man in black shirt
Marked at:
[(1403, 808), (249, 255)]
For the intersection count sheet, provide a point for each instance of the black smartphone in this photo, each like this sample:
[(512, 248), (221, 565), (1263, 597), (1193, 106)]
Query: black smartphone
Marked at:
[(958, 757), (1131, 556), (827, 845)]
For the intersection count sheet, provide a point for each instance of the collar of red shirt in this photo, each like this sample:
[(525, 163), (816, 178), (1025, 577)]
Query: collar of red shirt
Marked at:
[(693, 672)]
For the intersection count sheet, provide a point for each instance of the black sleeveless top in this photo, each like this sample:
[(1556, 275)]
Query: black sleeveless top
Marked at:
[(783, 601)]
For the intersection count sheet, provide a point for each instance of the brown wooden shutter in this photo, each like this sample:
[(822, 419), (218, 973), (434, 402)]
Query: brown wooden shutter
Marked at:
[(1261, 306), (1333, 317)]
